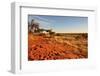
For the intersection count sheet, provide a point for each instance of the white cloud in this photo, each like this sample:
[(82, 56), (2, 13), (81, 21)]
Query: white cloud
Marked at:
[(43, 19), (43, 22)]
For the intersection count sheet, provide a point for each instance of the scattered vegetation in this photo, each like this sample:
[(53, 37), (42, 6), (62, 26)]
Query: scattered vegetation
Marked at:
[(44, 44)]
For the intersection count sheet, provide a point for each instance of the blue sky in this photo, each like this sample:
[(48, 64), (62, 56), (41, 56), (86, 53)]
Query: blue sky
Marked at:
[(62, 24)]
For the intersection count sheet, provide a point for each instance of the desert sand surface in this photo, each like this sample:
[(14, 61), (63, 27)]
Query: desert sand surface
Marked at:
[(63, 46)]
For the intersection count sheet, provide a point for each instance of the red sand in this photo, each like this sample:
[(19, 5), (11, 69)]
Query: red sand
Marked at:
[(42, 48)]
